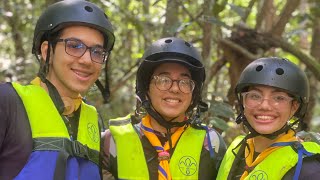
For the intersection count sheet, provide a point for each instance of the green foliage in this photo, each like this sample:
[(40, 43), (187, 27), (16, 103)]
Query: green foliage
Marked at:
[(222, 109), (218, 123), (238, 9), (136, 25), (219, 113), (215, 21)]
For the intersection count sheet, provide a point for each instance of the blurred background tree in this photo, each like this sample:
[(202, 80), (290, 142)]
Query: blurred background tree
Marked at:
[(229, 34)]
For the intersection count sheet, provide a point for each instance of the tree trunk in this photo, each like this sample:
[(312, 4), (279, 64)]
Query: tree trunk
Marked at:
[(171, 17), (315, 52)]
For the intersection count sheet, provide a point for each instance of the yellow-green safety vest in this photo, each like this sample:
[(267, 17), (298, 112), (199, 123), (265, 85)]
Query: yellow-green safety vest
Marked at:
[(46, 122), (273, 167), (184, 163)]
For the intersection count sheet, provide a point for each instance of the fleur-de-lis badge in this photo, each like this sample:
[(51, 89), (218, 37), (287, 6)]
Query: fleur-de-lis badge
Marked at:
[(258, 175), (188, 165), (93, 132)]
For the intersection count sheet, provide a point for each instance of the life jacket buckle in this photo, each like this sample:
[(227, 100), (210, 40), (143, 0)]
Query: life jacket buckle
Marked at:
[(297, 145), (79, 149)]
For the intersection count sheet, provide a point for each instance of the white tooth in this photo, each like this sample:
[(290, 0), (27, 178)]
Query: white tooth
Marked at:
[(264, 117), (81, 74), (172, 100)]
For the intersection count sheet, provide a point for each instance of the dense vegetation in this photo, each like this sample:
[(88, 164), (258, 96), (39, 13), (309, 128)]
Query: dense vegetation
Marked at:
[(229, 34)]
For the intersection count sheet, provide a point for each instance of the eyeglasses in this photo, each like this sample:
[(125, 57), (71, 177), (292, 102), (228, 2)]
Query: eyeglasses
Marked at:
[(164, 83), (254, 99), (77, 48)]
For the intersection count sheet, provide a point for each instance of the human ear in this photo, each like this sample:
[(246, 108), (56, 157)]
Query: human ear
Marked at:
[(294, 107), (44, 50)]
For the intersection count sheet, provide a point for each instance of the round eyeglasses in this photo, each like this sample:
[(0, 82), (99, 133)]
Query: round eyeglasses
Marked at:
[(164, 83), (253, 99), (76, 48)]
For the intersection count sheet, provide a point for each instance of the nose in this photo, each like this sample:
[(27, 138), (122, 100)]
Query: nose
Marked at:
[(265, 104), (86, 57), (175, 87)]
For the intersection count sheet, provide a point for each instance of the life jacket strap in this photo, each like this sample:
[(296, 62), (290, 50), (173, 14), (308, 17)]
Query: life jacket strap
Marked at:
[(66, 148), (72, 148)]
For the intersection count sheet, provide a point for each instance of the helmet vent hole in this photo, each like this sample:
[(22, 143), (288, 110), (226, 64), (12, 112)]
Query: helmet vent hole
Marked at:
[(279, 71), (259, 68), (168, 41), (88, 8), (187, 44)]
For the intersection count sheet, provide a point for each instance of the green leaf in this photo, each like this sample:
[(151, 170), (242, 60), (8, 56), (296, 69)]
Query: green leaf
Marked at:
[(182, 26), (221, 109), (238, 9), (219, 123), (213, 20)]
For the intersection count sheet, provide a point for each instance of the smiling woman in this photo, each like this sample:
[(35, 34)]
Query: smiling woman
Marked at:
[(273, 94), (268, 109), (167, 143), (171, 103)]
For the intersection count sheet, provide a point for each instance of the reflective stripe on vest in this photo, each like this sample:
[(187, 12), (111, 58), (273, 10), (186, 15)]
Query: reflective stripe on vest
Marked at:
[(49, 132), (184, 164), (269, 168)]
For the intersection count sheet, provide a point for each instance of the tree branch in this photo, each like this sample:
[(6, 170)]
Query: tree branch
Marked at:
[(121, 82), (214, 69), (290, 7), (264, 15), (190, 14), (239, 49), (309, 61), (248, 10)]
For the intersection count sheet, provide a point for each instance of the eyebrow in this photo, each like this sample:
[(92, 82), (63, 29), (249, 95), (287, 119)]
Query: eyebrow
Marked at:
[(274, 91), (182, 74), (76, 39)]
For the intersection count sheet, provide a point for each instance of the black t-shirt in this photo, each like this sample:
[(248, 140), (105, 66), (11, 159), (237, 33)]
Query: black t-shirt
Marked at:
[(15, 133)]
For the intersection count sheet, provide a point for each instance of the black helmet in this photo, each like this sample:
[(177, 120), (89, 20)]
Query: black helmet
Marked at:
[(70, 12), (279, 73), (171, 49)]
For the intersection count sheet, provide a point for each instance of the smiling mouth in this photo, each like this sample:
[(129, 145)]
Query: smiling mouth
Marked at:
[(264, 117), (172, 100), (82, 74)]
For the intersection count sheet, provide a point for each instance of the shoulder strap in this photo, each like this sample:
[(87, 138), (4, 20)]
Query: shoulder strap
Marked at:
[(72, 148), (313, 148)]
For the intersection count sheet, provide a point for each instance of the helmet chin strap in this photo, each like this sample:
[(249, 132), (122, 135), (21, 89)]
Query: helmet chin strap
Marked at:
[(105, 91), (53, 92), (155, 115), (253, 132)]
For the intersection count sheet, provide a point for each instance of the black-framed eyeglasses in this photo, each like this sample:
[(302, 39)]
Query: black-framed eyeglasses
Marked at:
[(164, 83), (76, 48)]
